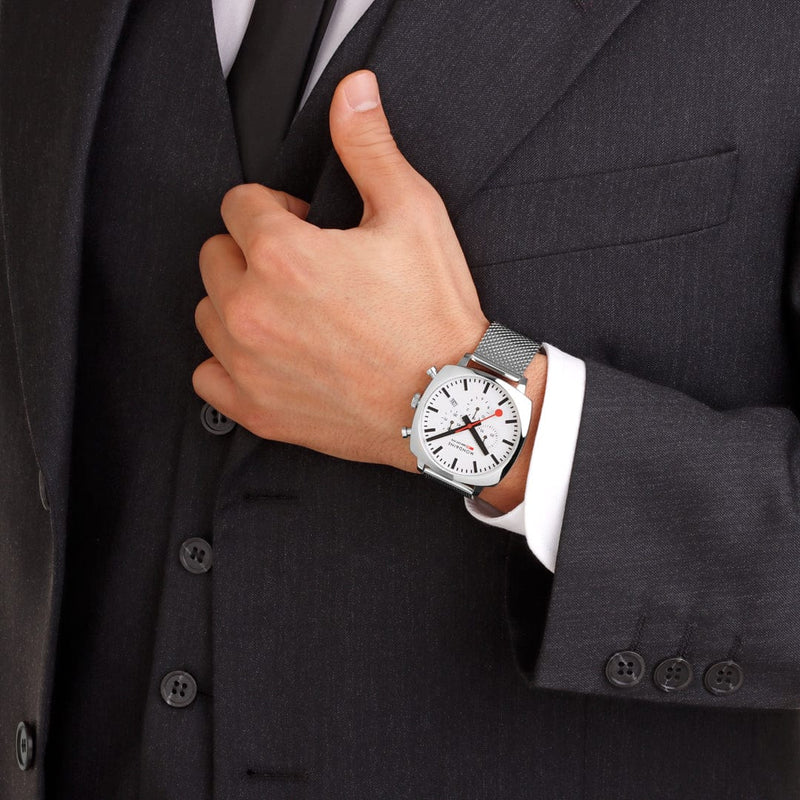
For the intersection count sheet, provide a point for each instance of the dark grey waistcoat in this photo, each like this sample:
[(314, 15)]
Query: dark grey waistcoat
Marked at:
[(144, 469), (622, 176)]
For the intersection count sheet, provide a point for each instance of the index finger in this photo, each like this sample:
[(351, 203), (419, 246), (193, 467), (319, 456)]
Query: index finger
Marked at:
[(249, 208)]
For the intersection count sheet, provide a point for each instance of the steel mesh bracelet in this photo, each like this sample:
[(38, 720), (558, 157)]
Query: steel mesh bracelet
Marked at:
[(506, 351)]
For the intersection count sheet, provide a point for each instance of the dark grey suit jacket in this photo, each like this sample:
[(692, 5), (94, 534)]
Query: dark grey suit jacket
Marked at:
[(623, 177)]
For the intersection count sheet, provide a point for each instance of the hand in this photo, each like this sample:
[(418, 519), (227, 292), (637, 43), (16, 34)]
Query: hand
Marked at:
[(320, 337)]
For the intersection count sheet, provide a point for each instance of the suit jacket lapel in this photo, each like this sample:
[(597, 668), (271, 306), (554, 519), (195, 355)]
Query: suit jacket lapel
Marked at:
[(54, 59), (308, 145), (464, 83)]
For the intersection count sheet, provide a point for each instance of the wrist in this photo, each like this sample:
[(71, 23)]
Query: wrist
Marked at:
[(510, 492)]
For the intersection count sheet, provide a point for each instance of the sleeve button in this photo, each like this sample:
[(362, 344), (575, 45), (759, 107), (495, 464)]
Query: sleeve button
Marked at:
[(625, 669), (673, 674), (724, 677)]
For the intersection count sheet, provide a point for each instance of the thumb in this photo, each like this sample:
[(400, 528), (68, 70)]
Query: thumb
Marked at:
[(362, 138)]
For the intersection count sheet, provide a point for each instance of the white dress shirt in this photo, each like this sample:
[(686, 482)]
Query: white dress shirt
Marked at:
[(540, 516)]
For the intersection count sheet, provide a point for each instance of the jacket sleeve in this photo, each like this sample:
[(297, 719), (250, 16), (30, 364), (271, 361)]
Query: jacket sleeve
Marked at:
[(681, 540)]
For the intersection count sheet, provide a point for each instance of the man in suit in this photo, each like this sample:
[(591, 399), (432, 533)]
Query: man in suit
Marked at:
[(253, 593)]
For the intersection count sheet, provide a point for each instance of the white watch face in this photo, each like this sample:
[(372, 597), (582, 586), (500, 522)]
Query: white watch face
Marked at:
[(470, 426)]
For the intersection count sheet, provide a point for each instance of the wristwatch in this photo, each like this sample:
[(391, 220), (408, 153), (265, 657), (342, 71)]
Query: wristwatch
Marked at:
[(471, 422)]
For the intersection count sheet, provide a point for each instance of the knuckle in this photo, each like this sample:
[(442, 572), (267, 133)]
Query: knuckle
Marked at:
[(210, 248), (242, 320), (426, 199), (199, 313), (265, 249), (282, 259), (204, 317), (431, 215), (240, 367), (197, 381), (229, 200), (237, 195), (430, 199), (416, 203)]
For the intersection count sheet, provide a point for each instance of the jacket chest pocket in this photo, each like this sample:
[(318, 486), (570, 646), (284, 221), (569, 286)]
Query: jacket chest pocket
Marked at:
[(579, 212)]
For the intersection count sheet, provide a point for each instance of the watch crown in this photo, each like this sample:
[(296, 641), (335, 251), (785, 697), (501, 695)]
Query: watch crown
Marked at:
[(415, 400), (431, 372), (405, 432)]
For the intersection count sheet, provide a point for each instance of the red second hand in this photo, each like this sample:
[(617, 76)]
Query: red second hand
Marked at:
[(498, 413)]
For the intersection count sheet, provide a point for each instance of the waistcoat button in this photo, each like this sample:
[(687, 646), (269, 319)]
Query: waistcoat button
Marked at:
[(24, 746), (214, 422), (196, 555), (178, 689)]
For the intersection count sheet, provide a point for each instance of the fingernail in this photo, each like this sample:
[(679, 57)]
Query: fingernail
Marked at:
[(361, 91)]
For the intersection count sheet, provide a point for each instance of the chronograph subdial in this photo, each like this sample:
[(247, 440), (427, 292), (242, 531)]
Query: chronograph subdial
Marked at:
[(470, 425), (489, 434)]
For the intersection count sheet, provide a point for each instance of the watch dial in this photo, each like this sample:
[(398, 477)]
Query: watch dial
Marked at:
[(470, 426)]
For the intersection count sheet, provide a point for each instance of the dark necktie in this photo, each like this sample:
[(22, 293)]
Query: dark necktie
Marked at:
[(269, 75)]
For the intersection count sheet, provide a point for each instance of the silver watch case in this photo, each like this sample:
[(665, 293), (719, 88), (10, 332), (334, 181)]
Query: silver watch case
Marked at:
[(518, 399)]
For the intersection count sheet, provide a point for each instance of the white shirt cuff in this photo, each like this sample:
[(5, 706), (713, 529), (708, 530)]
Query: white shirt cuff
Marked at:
[(541, 514)]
